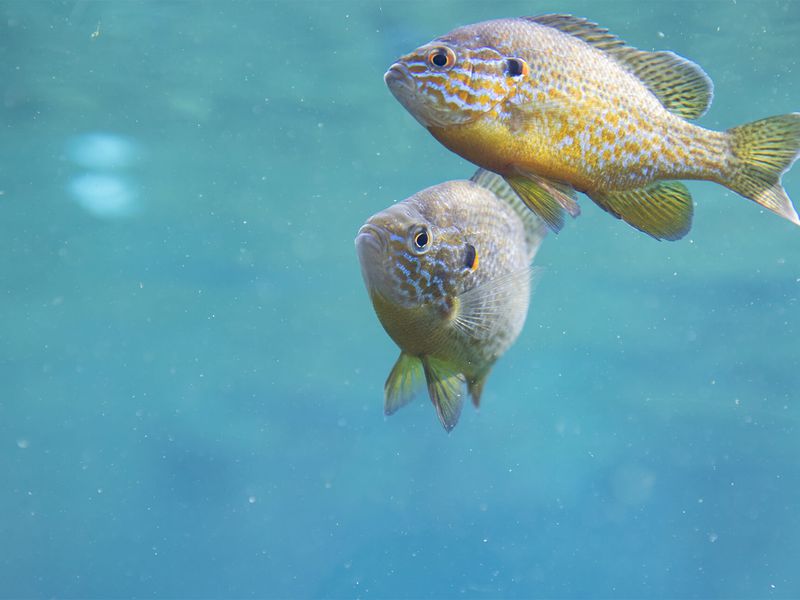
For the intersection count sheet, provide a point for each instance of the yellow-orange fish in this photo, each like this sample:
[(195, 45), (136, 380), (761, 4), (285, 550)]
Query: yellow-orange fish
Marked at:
[(555, 104)]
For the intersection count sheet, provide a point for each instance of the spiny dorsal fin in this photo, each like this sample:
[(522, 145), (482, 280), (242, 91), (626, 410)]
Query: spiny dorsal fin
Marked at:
[(535, 228), (662, 209), (679, 84), (581, 28)]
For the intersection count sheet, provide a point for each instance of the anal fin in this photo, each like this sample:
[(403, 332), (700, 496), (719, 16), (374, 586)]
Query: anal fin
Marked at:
[(446, 387), (662, 209), (475, 389)]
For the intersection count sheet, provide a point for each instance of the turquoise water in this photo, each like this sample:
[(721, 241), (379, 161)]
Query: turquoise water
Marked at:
[(192, 372)]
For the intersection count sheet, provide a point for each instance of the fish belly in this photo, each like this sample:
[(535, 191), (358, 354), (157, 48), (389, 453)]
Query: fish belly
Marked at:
[(492, 146), (592, 147)]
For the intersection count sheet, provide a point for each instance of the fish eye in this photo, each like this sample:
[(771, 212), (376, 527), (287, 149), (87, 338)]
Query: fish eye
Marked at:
[(442, 58), (471, 258), (517, 67), (420, 240)]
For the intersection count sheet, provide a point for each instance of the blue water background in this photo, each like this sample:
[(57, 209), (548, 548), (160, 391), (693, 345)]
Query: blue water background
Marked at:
[(192, 373)]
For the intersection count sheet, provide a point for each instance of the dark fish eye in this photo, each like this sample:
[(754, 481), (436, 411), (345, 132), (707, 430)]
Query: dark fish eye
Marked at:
[(442, 58), (471, 259), (421, 240), (517, 67)]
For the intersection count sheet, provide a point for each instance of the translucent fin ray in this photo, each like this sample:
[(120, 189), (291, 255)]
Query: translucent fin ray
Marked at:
[(662, 209), (446, 388), (403, 384), (535, 227), (548, 199), (479, 310), (765, 150)]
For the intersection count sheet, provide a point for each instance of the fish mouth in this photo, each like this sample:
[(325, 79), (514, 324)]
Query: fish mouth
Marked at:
[(371, 247), (370, 243), (399, 80), (410, 93)]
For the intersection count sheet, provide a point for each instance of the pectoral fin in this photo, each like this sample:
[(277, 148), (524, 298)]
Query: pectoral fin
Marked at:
[(663, 209), (479, 310), (446, 387), (403, 383)]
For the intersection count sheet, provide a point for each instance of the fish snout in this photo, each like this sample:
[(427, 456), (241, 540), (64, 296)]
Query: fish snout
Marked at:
[(370, 241), (398, 78), (372, 250)]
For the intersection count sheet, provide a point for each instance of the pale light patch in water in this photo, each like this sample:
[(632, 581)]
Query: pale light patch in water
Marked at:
[(103, 195), (99, 150)]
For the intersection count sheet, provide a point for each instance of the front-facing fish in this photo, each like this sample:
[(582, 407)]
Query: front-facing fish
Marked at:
[(556, 104), (448, 271)]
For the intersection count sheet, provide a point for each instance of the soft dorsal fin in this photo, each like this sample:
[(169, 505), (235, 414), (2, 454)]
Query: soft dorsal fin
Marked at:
[(535, 227), (679, 84)]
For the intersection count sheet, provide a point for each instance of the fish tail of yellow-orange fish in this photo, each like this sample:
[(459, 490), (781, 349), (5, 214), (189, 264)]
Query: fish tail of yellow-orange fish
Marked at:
[(763, 151)]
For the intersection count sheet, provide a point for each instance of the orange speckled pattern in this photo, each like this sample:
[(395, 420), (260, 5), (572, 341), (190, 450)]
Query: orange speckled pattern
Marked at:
[(577, 117)]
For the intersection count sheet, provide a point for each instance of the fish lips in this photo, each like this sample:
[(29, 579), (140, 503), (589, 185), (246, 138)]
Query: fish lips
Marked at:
[(399, 80), (404, 88), (371, 250)]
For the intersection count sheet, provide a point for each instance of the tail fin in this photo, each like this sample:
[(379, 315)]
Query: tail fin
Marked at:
[(765, 150)]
